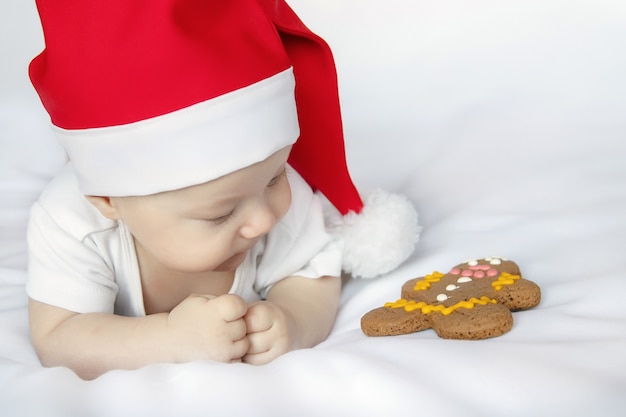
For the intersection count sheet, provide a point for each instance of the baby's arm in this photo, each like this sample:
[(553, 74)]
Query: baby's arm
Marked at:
[(298, 313), (91, 344)]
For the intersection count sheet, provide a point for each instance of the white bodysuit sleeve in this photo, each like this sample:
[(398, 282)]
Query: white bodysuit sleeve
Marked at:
[(65, 271)]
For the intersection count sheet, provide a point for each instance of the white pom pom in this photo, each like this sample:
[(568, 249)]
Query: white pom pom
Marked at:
[(380, 237)]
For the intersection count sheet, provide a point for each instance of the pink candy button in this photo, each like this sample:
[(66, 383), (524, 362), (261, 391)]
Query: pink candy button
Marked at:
[(480, 267), (475, 271)]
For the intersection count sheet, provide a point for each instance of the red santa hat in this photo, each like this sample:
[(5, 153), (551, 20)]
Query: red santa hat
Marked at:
[(154, 95)]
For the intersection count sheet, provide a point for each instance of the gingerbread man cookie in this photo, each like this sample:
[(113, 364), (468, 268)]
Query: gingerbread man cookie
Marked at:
[(473, 301)]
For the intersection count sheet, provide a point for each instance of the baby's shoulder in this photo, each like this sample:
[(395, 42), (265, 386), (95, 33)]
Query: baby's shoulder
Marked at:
[(61, 204)]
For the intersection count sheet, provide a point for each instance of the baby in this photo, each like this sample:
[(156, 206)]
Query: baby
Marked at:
[(185, 226)]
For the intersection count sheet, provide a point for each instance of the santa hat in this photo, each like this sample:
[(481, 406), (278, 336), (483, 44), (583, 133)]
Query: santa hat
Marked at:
[(155, 95)]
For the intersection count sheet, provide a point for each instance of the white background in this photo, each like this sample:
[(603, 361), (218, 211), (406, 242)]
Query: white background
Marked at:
[(504, 122)]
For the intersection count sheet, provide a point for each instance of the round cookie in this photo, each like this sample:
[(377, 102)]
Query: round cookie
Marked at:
[(472, 301)]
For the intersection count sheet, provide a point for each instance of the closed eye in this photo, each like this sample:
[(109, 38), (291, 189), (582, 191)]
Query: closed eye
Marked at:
[(277, 178), (274, 181), (221, 219)]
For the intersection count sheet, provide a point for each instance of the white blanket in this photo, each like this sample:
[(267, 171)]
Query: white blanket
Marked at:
[(505, 123)]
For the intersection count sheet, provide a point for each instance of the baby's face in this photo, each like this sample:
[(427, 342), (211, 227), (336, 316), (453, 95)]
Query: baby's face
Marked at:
[(211, 226)]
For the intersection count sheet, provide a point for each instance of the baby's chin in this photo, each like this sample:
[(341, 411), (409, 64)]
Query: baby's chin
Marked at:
[(231, 263)]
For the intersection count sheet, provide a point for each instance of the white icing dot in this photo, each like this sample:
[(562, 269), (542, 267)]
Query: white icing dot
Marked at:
[(472, 262), (442, 297), (463, 279), (495, 261), (451, 287)]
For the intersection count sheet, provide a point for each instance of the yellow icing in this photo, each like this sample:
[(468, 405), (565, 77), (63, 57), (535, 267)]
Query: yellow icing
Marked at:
[(504, 279), (424, 284), (411, 305)]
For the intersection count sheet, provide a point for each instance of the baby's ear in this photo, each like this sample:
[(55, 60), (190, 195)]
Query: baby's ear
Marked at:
[(104, 206)]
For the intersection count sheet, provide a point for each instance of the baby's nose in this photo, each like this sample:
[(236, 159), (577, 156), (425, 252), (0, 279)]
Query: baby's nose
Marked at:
[(260, 221)]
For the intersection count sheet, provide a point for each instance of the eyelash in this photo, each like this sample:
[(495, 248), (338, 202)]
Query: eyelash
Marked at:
[(223, 219), (277, 178)]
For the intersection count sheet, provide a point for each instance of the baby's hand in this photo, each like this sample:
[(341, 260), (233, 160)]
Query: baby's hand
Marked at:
[(271, 332), (207, 327)]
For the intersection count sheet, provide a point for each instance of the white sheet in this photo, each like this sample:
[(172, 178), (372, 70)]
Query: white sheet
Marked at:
[(505, 123)]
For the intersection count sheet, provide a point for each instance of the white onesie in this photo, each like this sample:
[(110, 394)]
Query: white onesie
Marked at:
[(83, 262)]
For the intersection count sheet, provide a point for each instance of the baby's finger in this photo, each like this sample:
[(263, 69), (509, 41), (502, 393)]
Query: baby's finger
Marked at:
[(259, 358), (231, 307), (240, 348), (237, 329), (259, 343), (259, 318)]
